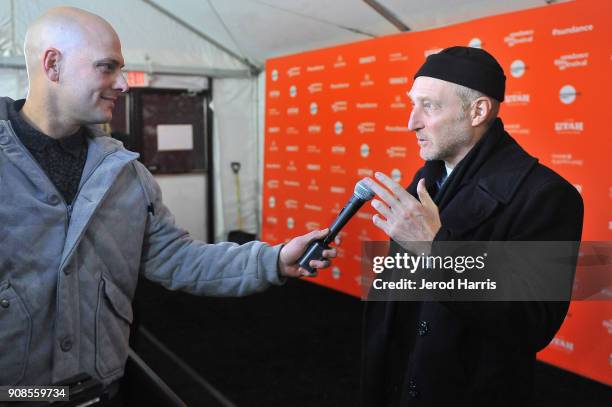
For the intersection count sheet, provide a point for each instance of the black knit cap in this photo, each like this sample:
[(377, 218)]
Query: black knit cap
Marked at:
[(471, 67)]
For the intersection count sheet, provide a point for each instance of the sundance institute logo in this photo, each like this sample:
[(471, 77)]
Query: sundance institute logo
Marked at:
[(567, 94)]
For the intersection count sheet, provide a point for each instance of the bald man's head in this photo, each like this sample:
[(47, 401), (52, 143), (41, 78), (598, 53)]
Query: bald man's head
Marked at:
[(74, 61)]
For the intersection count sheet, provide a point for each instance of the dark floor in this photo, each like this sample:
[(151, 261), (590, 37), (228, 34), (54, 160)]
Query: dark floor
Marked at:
[(296, 345)]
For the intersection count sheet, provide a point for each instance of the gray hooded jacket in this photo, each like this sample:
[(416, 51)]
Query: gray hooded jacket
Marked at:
[(68, 273)]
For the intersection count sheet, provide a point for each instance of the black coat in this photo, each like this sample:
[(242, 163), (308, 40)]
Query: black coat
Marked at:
[(473, 353)]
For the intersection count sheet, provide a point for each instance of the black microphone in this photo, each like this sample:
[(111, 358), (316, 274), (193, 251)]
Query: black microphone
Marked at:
[(361, 195)]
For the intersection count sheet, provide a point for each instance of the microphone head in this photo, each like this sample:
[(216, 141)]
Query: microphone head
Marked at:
[(362, 191)]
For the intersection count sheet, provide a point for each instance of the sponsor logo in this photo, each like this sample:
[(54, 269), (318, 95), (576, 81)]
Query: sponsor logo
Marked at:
[(396, 175), (367, 81), (291, 204), (273, 112), (431, 51), (610, 224), (338, 127), (562, 344), (578, 188), (312, 207), (313, 225), (398, 103), (396, 152), (292, 130), (340, 62), (311, 148), (397, 56), (339, 105), (364, 215), (273, 146), (397, 129), (335, 272), (270, 237), (293, 91), (290, 223), (293, 71), (517, 130), (366, 127), (272, 220), (291, 183), (273, 166), (338, 149), (569, 127), (337, 169), (273, 183), (336, 209), (313, 167), (274, 94), (271, 202), (398, 80), (292, 149), (517, 68), (519, 37), (314, 128), (475, 43), (312, 186), (518, 99), (366, 105), (565, 159), (315, 68), (339, 85), (575, 29), (337, 190), (364, 172), (314, 108), (315, 87), (572, 61), (292, 111), (273, 130), (367, 60), (274, 75), (567, 94), (291, 166), (364, 150)]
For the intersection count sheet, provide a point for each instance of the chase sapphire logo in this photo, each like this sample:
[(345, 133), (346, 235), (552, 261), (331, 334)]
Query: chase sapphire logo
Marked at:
[(314, 108), (338, 127), (567, 94), (364, 150)]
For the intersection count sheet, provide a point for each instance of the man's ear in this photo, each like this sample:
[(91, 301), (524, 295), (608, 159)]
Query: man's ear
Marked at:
[(481, 111), (51, 66)]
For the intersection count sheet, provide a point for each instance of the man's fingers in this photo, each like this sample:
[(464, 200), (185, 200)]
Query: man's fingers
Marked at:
[(399, 191), (424, 196), (319, 264), (381, 208), (330, 254), (383, 194)]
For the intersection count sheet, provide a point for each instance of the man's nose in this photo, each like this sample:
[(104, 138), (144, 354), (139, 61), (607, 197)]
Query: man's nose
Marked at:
[(121, 83), (414, 123)]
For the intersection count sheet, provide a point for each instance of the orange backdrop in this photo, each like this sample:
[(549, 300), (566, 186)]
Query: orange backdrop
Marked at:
[(338, 114)]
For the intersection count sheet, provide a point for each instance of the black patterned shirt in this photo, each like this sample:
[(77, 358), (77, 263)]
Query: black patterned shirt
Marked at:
[(61, 159)]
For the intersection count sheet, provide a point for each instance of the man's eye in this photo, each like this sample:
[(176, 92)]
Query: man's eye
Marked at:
[(106, 67)]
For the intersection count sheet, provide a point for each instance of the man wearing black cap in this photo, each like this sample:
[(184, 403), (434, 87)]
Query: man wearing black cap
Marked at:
[(477, 184)]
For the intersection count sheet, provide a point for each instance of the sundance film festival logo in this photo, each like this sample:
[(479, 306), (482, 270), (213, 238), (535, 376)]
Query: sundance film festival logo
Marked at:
[(397, 129), (366, 127), (340, 62), (291, 183), (517, 129), (315, 87), (339, 106), (273, 166), (315, 68), (273, 130), (367, 60), (517, 68), (311, 207), (313, 149), (314, 108), (273, 112), (293, 111), (575, 29), (398, 80), (569, 127), (518, 99), (292, 149), (340, 150), (273, 183), (519, 37), (572, 61), (292, 130), (314, 128), (398, 103), (272, 220), (365, 172), (396, 152), (291, 204), (567, 94), (337, 190), (293, 71), (367, 81), (337, 169), (566, 159), (366, 105), (475, 43), (312, 225), (274, 94), (274, 75), (313, 167), (338, 127), (339, 85), (397, 57)]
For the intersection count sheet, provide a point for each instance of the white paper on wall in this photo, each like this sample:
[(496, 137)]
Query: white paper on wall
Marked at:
[(171, 137)]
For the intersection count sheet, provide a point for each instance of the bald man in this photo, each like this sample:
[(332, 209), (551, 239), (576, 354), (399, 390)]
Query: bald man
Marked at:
[(80, 217)]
